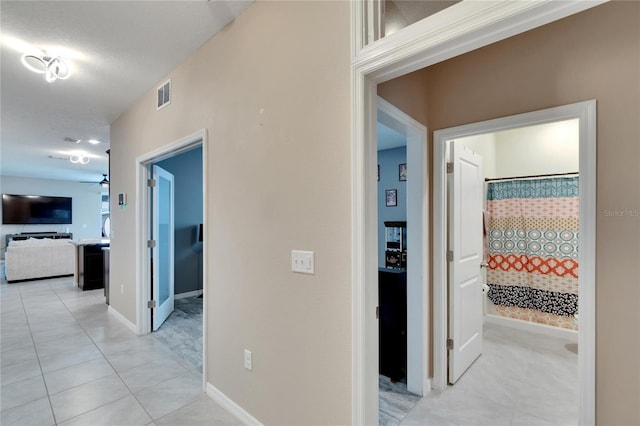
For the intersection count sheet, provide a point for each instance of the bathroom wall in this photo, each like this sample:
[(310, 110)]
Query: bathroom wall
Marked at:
[(544, 149), (535, 150)]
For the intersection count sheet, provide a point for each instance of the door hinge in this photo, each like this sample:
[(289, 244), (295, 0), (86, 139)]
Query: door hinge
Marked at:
[(151, 183), (377, 312), (449, 167), (450, 344), (449, 256), (151, 304), (151, 243)]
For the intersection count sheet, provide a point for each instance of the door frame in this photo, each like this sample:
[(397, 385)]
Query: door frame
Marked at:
[(417, 243), (586, 113), (462, 28), (142, 214)]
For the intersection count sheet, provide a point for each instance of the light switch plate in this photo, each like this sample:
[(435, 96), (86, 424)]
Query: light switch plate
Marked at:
[(302, 262), (248, 360)]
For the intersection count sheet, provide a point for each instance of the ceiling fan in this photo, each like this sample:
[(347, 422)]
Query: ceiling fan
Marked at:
[(103, 183)]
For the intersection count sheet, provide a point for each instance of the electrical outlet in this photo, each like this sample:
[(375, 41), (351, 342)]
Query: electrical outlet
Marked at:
[(302, 262), (248, 360)]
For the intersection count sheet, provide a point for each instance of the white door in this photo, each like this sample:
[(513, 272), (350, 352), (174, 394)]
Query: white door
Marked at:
[(162, 253), (465, 278)]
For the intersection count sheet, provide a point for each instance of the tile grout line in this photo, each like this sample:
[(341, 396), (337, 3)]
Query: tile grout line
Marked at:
[(35, 348), (104, 356), (188, 369), (133, 394)]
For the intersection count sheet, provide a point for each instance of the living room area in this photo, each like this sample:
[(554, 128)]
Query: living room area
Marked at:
[(40, 219)]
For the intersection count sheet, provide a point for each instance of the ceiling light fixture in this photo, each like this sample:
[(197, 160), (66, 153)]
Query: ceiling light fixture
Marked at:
[(79, 158), (104, 182), (53, 67), (94, 141)]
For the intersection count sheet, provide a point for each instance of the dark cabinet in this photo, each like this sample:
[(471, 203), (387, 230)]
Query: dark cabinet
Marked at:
[(106, 253), (392, 302), (90, 266)]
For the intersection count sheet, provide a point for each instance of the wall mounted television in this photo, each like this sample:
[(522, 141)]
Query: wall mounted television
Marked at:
[(35, 209)]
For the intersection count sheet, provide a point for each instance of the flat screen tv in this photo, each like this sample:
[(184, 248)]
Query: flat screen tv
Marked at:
[(35, 209)]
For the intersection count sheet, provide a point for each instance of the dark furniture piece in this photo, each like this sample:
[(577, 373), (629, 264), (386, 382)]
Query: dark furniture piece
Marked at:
[(27, 235), (106, 253), (90, 266), (392, 302)]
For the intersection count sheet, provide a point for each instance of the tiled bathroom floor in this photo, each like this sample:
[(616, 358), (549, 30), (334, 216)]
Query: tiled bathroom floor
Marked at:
[(65, 360), (522, 378)]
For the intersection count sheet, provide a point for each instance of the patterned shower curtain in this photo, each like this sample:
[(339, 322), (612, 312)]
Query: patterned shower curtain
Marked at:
[(533, 249)]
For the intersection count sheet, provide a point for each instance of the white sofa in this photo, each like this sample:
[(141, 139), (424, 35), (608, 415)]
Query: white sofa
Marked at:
[(39, 258)]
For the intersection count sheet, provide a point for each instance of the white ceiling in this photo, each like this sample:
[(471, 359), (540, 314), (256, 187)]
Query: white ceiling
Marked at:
[(117, 50)]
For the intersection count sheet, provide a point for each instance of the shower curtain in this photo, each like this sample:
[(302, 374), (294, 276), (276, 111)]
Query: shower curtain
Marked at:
[(533, 249)]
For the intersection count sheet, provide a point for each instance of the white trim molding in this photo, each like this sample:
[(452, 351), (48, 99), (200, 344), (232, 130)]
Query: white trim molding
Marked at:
[(131, 326), (534, 327), (229, 405), (464, 27), (187, 294), (585, 112), (417, 243)]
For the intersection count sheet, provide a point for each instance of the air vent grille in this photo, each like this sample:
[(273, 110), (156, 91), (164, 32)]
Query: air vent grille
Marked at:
[(164, 94)]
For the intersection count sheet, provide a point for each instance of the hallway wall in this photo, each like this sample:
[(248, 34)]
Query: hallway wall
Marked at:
[(592, 55), (272, 91)]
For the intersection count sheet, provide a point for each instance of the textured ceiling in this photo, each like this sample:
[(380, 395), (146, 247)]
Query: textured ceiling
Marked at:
[(117, 50)]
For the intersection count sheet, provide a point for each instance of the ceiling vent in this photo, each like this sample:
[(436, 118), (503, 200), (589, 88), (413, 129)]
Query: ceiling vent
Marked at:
[(164, 94), (72, 140)]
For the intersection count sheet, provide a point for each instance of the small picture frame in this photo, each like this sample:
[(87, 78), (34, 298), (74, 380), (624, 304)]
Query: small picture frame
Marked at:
[(402, 172), (378, 172), (391, 197)]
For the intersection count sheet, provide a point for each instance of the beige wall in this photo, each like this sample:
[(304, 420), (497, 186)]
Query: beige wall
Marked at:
[(593, 55), (272, 90)]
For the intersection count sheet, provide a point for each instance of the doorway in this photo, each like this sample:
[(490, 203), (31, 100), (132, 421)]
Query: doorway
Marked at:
[(585, 113), (190, 241), (407, 52), (402, 165)]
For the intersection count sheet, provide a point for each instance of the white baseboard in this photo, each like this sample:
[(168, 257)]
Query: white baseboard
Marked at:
[(131, 326), (226, 403), (548, 330), (188, 294)]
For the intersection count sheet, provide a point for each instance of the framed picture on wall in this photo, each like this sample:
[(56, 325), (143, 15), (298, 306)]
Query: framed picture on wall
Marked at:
[(402, 172), (391, 197)]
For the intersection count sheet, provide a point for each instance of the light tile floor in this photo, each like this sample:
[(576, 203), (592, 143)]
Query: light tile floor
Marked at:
[(65, 360), (522, 378), (182, 331)]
